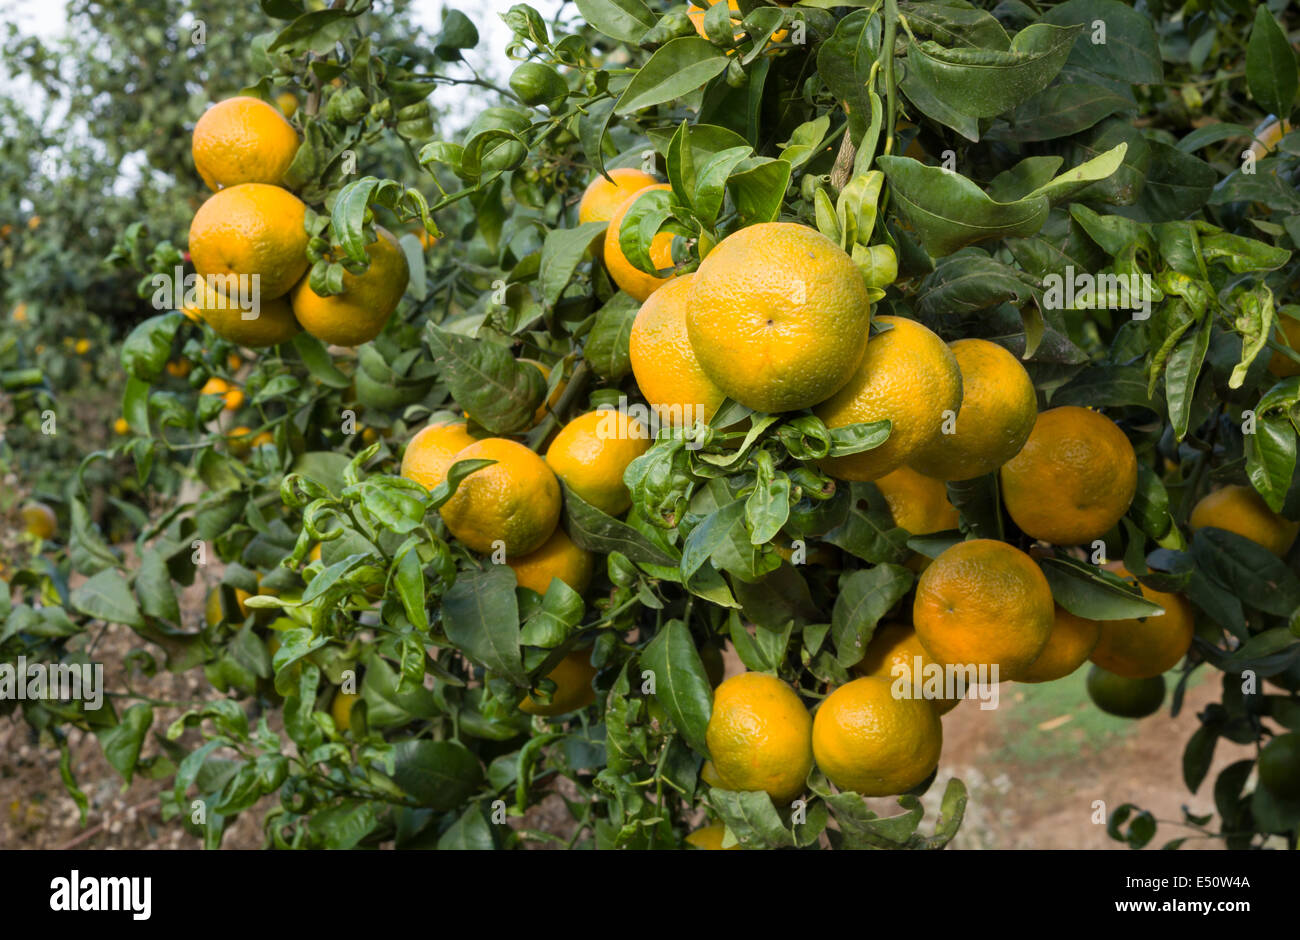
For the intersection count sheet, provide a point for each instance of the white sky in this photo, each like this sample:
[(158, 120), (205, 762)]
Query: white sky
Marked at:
[(46, 19)]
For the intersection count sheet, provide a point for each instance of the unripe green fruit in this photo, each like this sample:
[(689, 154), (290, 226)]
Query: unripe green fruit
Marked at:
[(538, 84)]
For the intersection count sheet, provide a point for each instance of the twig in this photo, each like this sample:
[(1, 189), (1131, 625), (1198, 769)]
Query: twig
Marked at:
[(99, 827)]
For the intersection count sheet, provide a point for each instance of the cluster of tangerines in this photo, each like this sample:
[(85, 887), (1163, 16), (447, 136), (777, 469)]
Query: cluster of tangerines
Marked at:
[(251, 233), (777, 318), (252, 227)]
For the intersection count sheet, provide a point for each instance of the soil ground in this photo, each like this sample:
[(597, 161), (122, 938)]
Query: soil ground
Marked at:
[(1036, 768)]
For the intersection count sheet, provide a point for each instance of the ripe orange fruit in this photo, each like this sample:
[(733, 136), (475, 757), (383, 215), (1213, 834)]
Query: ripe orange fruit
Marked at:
[(240, 440), (558, 558), (602, 198), (572, 676), (1241, 510), (243, 140), (341, 709), (998, 410), (892, 654), (265, 437), (591, 453), (1074, 478), (1279, 364), (179, 368), (709, 773), (251, 229), (1125, 698), (631, 279), (1266, 137), (120, 426), (233, 397), (1147, 646), (984, 603), (867, 740), (710, 837), (908, 376), (39, 520), (778, 316), (760, 736), (1068, 647), (918, 503), (696, 15), (663, 361), (358, 314), (515, 501), (269, 325)]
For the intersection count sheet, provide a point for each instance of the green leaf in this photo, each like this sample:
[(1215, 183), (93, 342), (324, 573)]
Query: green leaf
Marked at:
[(471, 831), (955, 24), (864, 597), (123, 741), (106, 597), (1248, 570), (1271, 72), (751, 817), (1212, 134), (1108, 386), (458, 31), (597, 532), (319, 362), (758, 187), (153, 586), (681, 682), (709, 536), (868, 530), (1177, 184), (1129, 50), (969, 281), (498, 392), (675, 70), (1271, 458), (1150, 507), (439, 774), (933, 105), (987, 82), (481, 617), (949, 211), (625, 20), (1181, 373), (1198, 755), (562, 251), (410, 588), (844, 62), (149, 346), (863, 829), (607, 344), (1090, 592)]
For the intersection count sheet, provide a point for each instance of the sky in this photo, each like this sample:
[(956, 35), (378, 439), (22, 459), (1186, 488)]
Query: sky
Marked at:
[(46, 19)]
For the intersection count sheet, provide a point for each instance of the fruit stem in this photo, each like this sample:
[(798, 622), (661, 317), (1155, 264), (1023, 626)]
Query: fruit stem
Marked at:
[(891, 83)]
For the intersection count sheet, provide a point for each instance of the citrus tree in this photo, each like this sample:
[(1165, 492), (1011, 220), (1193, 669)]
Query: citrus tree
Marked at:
[(898, 348)]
